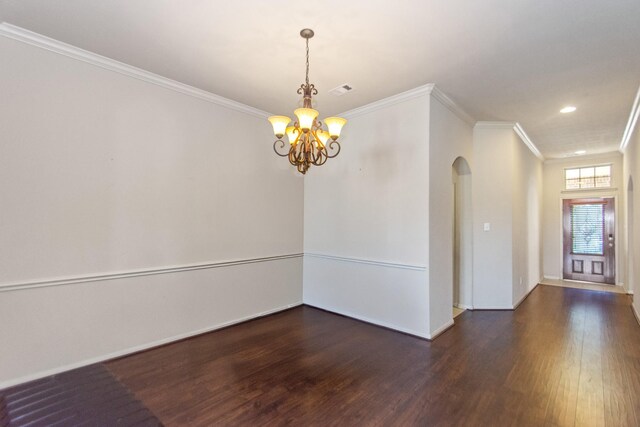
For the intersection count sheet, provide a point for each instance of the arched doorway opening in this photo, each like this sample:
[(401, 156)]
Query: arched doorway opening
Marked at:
[(462, 237)]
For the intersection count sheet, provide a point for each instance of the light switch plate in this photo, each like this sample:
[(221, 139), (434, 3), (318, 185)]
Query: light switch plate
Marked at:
[(487, 226)]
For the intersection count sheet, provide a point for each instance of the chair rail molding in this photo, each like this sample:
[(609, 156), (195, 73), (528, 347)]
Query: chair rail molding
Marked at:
[(366, 261), (135, 273)]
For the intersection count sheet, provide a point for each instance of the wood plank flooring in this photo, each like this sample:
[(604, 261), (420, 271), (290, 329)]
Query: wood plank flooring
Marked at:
[(565, 357), (88, 396)]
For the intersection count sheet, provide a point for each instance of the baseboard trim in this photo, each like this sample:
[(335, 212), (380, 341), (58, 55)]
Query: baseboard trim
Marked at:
[(441, 330), (463, 307), (136, 273), (144, 347), (525, 296), (512, 308), (551, 278), (635, 314), (372, 322)]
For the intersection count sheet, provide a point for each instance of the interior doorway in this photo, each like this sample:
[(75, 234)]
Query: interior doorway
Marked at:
[(462, 237), (589, 240)]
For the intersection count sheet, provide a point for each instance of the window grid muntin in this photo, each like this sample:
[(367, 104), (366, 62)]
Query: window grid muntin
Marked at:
[(588, 177)]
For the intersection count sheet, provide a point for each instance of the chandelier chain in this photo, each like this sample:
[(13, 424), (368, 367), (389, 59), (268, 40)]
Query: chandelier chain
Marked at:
[(307, 79)]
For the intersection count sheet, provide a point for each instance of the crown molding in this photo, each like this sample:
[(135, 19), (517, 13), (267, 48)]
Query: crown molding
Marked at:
[(527, 141), (631, 123), (495, 125), (452, 106), (389, 101), (518, 129), (581, 159), (428, 89), (52, 45)]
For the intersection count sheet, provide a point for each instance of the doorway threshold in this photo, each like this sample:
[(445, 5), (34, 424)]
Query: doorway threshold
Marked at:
[(584, 285)]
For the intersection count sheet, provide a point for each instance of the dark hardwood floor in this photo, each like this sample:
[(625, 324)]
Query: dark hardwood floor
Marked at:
[(88, 396), (564, 357)]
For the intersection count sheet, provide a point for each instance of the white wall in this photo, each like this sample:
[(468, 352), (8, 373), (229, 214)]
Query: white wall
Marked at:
[(492, 203), (527, 221), (450, 137), (554, 192), (507, 194), (366, 218), (101, 173), (631, 169)]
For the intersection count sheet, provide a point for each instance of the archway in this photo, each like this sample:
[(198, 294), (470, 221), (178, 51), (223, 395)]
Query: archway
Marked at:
[(462, 236)]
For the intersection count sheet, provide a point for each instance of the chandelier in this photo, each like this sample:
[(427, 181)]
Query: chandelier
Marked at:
[(309, 143)]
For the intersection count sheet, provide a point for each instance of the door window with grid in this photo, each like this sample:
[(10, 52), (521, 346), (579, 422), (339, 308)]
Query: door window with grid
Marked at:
[(587, 229)]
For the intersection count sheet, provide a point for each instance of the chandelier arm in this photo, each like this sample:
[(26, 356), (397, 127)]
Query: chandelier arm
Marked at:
[(322, 157), (282, 145), (314, 157), (295, 152), (318, 149), (299, 157), (292, 155), (330, 145), (314, 134), (308, 151)]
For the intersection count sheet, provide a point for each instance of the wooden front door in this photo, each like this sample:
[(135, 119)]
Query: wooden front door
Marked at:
[(589, 240)]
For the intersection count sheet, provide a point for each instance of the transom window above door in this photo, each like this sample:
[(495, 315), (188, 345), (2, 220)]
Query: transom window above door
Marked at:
[(587, 177)]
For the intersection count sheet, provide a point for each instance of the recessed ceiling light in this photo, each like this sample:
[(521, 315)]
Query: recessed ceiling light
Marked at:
[(580, 152), (568, 109)]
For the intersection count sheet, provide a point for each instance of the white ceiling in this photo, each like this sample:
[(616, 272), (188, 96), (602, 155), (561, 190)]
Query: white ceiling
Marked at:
[(512, 60)]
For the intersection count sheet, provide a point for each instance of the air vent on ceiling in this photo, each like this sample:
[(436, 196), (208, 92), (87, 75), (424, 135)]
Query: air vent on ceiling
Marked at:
[(341, 90)]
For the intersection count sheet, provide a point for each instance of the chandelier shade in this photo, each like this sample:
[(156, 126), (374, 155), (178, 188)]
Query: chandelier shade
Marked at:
[(306, 117), (279, 124), (324, 136), (335, 126), (309, 143), (292, 134)]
